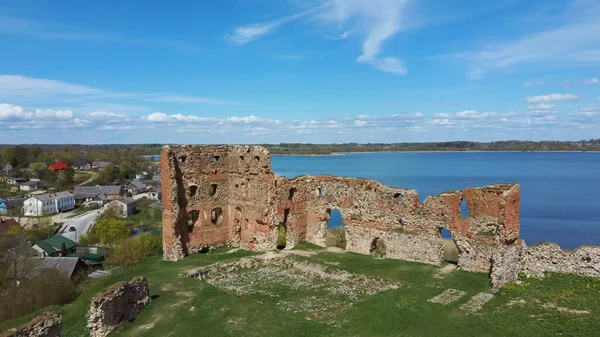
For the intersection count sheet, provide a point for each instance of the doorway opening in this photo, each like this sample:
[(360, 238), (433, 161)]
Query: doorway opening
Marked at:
[(450, 250), (336, 229)]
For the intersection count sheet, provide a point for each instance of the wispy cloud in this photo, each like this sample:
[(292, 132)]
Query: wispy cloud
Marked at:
[(16, 87), (574, 42), (551, 98), (590, 81), (50, 31), (377, 21), (248, 33)]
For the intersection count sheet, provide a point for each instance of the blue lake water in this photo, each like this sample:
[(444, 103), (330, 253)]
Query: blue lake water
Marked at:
[(559, 191)]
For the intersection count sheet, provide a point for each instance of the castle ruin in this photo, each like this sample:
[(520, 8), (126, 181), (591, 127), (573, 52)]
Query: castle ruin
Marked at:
[(229, 196)]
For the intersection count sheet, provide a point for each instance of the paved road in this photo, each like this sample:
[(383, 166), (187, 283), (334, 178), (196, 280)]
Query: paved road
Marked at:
[(81, 223)]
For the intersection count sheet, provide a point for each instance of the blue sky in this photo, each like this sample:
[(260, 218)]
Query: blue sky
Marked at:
[(256, 71)]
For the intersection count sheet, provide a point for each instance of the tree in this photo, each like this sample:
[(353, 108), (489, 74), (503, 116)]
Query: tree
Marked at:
[(126, 170), (110, 231), (110, 173), (112, 211), (38, 169), (69, 174), (42, 228)]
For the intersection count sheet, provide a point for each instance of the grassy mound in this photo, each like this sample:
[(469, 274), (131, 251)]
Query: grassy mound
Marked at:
[(425, 303)]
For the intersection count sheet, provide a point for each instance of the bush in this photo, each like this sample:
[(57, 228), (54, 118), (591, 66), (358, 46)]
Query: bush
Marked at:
[(135, 250), (48, 287), (109, 231), (336, 237)]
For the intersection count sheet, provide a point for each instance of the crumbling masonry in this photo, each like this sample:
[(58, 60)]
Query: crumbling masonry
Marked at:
[(229, 196)]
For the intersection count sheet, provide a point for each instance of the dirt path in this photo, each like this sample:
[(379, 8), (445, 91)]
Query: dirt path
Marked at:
[(94, 176)]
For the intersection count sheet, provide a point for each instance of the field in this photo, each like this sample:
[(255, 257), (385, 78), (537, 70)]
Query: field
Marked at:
[(326, 292)]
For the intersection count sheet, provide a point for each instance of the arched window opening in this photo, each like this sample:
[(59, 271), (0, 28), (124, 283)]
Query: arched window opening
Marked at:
[(464, 209), (193, 217), (212, 190), (193, 189), (216, 216)]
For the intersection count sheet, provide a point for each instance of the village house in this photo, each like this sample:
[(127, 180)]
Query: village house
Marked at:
[(135, 187), (97, 202), (154, 193), (30, 185), (127, 206), (59, 166), (99, 165), (14, 180), (14, 205), (89, 193), (52, 203), (53, 246), (81, 164)]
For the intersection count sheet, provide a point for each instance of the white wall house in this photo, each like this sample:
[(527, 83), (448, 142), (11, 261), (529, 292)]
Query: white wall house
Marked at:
[(52, 203)]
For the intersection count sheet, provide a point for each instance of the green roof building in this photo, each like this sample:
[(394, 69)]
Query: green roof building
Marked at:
[(53, 246)]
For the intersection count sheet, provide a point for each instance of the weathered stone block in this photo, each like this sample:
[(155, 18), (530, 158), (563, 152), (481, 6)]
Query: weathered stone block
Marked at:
[(506, 265), (44, 325), (116, 305)]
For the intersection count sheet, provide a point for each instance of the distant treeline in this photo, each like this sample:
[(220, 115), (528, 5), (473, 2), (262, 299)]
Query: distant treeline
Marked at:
[(125, 152), (308, 149)]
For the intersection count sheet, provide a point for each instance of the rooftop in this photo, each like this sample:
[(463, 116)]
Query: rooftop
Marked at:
[(54, 243)]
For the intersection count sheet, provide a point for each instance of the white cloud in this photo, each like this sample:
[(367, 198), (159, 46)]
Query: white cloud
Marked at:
[(15, 112), (541, 106), (591, 81), (527, 84), (551, 98), (586, 113), (158, 117), (164, 127), (103, 115), (473, 114)]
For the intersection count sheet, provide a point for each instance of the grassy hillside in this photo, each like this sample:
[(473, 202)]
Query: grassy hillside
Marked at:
[(277, 301)]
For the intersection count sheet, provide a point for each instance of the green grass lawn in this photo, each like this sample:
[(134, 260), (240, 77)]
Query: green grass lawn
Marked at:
[(190, 307)]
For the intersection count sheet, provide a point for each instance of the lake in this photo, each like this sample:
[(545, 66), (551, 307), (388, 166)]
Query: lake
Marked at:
[(559, 190)]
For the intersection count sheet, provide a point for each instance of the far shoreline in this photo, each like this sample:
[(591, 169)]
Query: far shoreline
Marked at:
[(453, 151)]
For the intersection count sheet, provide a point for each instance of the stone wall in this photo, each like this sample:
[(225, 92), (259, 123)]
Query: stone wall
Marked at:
[(117, 304), (543, 257), (44, 325), (228, 195), (215, 196)]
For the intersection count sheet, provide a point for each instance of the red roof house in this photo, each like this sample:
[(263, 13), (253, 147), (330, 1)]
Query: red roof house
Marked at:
[(59, 166)]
